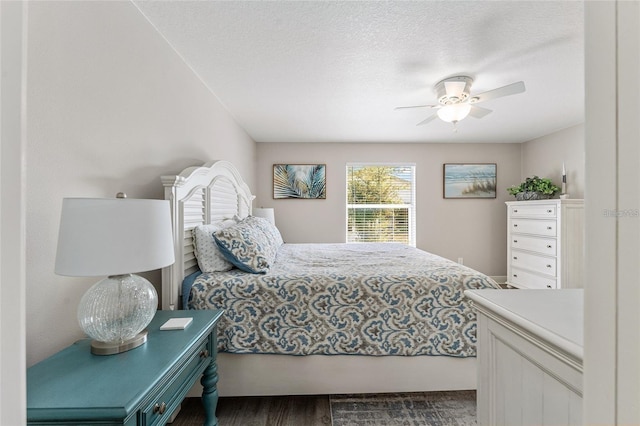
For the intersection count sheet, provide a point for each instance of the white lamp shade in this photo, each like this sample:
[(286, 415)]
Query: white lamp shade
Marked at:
[(265, 213), (454, 112), (101, 237)]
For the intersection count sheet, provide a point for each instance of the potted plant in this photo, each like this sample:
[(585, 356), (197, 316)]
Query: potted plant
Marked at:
[(534, 188)]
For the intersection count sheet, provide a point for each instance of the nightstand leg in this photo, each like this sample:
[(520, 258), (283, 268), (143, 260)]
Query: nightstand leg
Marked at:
[(210, 393)]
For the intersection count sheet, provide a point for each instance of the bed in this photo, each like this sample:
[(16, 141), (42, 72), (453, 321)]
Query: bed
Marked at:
[(315, 318)]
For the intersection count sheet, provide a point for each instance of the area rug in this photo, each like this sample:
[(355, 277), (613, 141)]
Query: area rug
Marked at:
[(405, 409)]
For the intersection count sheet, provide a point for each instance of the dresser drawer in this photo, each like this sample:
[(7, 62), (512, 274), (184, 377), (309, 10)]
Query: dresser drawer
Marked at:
[(170, 397), (533, 262), (545, 228), (521, 278), (538, 210), (539, 245)]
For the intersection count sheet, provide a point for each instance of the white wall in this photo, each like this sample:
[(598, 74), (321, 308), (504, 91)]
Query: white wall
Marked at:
[(544, 157), (474, 229), (12, 215), (111, 107)]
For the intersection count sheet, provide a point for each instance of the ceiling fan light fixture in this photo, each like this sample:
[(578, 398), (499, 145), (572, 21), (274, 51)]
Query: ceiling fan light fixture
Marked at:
[(453, 90), (455, 101), (454, 113)]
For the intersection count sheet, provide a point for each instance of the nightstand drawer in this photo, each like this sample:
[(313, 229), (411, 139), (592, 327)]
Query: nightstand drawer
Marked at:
[(538, 227), (533, 262), (162, 406), (540, 210), (539, 245)]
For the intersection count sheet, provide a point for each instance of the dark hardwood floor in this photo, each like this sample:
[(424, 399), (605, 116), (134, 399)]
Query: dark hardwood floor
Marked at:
[(260, 411)]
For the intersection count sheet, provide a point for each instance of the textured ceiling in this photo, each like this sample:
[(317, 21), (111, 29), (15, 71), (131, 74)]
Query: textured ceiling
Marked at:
[(333, 71)]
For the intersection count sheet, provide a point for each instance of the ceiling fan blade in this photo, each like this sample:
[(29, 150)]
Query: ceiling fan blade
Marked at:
[(427, 120), (510, 89), (478, 112), (417, 106), (454, 88)]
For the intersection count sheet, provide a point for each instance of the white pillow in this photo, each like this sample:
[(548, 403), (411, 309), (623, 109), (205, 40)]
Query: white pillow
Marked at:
[(209, 257)]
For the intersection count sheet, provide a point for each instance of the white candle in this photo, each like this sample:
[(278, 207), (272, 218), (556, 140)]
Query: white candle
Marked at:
[(564, 179)]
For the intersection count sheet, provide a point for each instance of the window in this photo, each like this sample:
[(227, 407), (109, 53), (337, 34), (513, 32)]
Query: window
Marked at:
[(381, 203)]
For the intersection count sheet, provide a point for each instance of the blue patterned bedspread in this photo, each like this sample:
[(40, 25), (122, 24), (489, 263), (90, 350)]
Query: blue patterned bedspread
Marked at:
[(364, 299)]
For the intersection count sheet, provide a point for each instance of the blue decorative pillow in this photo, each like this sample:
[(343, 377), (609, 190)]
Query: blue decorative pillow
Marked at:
[(249, 245)]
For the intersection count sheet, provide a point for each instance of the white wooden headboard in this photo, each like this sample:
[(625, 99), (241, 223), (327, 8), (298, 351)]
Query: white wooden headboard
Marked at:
[(199, 195)]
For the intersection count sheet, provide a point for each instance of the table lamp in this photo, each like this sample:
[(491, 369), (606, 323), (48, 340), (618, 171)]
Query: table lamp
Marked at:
[(265, 213), (116, 238)]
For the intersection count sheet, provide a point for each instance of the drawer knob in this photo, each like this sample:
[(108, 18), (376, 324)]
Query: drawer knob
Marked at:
[(515, 275), (515, 257), (548, 286), (204, 353), (515, 210), (160, 408), (515, 225), (515, 241), (549, 211), (549, 228), (549, 246), (548, 266)]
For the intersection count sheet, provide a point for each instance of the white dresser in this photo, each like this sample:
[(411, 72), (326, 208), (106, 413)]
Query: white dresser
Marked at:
[(545, 243), (530, 356)]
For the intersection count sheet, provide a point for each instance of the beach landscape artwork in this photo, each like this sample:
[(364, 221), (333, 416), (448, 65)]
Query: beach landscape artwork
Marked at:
[(470, 180)]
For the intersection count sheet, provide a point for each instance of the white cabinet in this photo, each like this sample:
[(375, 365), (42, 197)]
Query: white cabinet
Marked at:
[(545, 243), (530, 356)]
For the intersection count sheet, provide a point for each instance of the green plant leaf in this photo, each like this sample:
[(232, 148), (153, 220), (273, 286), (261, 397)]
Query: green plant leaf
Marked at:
[(535, 184)]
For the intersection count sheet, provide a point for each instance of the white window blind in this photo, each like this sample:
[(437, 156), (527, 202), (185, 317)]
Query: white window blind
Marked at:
[(381, 203)]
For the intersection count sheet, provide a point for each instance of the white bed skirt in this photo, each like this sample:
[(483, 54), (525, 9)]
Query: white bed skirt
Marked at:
[(253, 375)]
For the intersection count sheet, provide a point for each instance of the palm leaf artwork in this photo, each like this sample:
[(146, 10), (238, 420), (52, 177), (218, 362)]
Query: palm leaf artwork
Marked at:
[(299, 181)]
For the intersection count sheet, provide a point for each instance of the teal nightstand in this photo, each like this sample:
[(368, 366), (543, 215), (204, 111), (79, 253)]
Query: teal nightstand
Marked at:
[(143, 386)]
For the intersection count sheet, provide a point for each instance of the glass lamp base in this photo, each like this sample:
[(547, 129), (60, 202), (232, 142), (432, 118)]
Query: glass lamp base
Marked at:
[(112, 348), (115, 311)]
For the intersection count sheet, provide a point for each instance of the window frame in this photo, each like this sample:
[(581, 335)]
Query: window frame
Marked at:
[(411, 207)]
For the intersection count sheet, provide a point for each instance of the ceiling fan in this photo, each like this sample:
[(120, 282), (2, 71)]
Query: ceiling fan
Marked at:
[(455, 101)]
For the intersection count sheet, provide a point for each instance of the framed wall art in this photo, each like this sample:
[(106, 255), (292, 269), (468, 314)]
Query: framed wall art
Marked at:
[(299, 181), (469, 180)]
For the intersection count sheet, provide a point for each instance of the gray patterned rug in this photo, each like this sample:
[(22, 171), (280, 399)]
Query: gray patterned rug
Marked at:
[(405, 409)]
